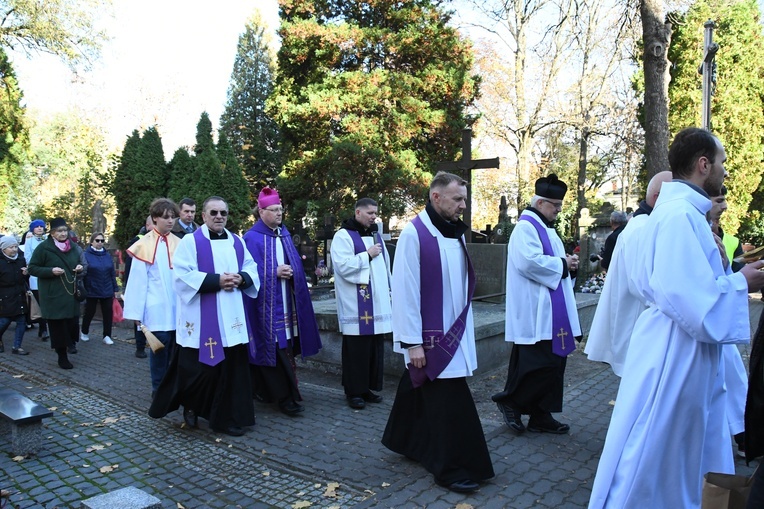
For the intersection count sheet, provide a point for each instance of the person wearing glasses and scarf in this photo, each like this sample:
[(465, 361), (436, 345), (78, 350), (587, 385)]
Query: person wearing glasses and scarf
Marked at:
[(55, 263), (100, 287)]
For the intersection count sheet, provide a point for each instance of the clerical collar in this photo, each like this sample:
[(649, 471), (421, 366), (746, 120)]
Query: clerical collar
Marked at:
[(543, 218), (276, 231), (354, 225), (643, 208), (693, 186), (446, 228), (218, 236)]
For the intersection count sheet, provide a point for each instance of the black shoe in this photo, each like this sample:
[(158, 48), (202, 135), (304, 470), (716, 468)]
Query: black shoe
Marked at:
[(740, 441), (463, 486), (44, 336), (72, 349), (370, 397), (141, 354), (512, 418), (291, 408), (65, 364), (547, 424), (19, 351), (234, 431), (189, 417), (356, 402)]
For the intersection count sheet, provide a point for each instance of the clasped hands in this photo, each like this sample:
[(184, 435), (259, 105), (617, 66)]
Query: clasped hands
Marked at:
[(229, 281)]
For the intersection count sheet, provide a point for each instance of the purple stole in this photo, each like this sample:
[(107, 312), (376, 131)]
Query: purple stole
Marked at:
[(363, 292), (210, 342), (268, 307), (439, 347), (560, 320)]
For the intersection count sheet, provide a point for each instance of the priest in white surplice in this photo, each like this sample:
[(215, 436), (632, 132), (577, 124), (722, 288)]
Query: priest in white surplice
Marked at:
[(209, 373), (541, 314), (361, 266), (618, 308), (669, 426), (434, 420)]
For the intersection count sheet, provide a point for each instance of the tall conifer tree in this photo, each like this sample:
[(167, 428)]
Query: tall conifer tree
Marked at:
[(368, 97), (253, 135), (235, 188)]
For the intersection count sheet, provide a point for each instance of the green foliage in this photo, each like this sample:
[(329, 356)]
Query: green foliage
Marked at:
[(235, 188), (253, 135), (207, 172), (181, 168), (141, 176), (369, 96), (64, 28), (14, 148), (736, 108), (70, 168)]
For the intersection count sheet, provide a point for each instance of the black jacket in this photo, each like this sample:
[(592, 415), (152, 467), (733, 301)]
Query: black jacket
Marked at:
[(13, 286)]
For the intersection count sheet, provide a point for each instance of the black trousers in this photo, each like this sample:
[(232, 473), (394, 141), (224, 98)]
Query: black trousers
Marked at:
[(106, 313)]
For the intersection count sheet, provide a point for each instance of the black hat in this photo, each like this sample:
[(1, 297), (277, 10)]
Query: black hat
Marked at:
[(58, 223), (550, 187)]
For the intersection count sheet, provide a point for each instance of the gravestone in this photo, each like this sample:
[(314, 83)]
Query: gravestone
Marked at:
[(490, 264)]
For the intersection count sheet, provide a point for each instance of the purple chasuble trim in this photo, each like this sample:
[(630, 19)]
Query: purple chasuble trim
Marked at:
[(363, 292), (560, 320), (439, 348), (209, 329)]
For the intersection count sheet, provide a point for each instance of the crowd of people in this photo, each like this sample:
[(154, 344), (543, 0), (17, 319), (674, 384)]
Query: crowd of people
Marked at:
[(230, 314)]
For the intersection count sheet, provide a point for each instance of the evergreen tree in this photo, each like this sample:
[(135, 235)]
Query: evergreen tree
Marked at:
[(253, 135), (141, 177), (14, 146), (125, 192), (207, 170), (181, 169), (235, 188), (369, 96), (736, 107)]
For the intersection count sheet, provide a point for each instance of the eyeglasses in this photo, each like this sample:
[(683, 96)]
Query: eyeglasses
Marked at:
[(277, 210), (555, 204), (223, 213), (97, 240), (63, 229)]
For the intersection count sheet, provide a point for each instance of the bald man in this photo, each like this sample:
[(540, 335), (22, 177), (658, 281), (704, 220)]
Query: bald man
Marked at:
[(618, 309)]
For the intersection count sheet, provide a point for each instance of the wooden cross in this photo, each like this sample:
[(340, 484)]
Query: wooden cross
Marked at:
[(464, 169), (366, 317), (562, 335), (210, 342), (708, 70)]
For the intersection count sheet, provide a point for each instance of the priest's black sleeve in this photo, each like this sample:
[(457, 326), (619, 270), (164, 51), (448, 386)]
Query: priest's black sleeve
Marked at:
[(211, 284)]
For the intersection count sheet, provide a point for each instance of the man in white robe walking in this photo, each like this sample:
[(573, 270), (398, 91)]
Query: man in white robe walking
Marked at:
[(209, 371), (434, 420), (669, 426), (361, 266), (618, 308), (541, 314)]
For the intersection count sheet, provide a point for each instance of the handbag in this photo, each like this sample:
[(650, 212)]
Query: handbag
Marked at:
[(116, 311), (35, 313), (79, 289), (725, 491)]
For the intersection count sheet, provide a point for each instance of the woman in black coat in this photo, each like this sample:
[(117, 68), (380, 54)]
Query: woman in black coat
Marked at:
[(13, 291)]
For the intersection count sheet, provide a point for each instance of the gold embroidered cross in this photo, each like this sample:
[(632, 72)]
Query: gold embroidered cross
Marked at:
[(210, 342), (562, 335), (366, 317), (237, 325)]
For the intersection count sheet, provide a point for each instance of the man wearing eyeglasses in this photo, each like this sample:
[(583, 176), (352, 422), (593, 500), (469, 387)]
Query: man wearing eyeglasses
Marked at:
[(541, 314), (283, 321), (209, 374)]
